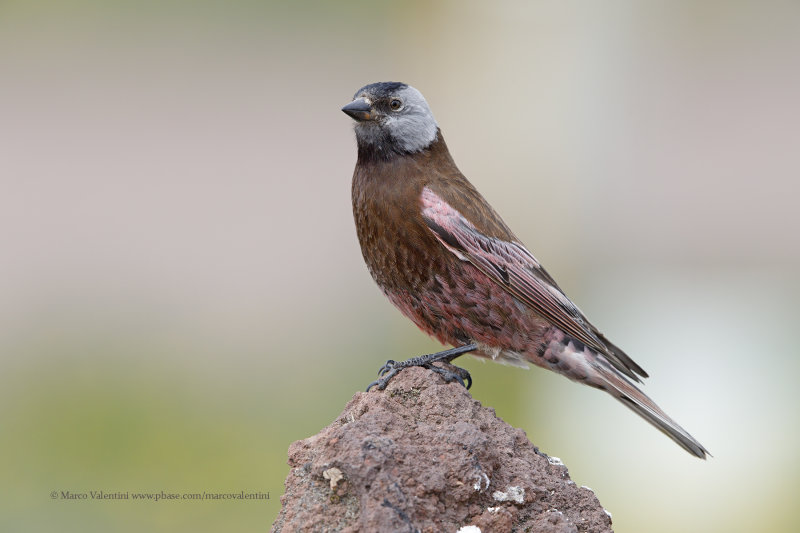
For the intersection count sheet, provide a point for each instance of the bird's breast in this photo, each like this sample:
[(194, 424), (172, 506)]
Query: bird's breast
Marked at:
[(447, 297), (399, 250)]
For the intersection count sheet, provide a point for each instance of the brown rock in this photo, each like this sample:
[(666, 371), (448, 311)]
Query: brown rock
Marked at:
[(425, 456)]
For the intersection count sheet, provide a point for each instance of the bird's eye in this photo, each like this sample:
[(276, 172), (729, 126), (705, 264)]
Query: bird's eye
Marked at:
[(395, 104)]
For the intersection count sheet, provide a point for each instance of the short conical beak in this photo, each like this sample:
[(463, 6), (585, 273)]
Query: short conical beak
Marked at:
[(359, 109)]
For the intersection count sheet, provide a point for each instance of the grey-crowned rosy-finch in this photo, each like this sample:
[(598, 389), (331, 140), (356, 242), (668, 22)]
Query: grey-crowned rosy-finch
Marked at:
[(447, 260)]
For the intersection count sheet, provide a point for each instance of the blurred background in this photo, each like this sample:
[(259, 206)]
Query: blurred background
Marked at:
[(183, 294)]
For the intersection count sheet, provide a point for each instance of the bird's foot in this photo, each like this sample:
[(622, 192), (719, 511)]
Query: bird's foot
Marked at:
[(453, 373), (391, 368)]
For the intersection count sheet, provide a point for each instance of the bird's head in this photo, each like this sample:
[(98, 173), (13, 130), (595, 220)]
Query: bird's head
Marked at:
[(392, 117)]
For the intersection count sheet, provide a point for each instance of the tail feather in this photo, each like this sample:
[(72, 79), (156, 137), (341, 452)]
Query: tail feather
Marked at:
[(641, 404)]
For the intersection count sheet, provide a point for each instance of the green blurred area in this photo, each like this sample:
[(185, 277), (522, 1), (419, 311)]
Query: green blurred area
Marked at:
[(112, 415), (79, 424), (183, 295)]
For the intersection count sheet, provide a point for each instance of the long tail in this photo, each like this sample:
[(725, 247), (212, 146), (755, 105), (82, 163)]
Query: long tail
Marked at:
[(622, 389)]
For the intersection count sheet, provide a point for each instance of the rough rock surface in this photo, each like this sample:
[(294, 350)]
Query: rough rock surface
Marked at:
[(425, 456)]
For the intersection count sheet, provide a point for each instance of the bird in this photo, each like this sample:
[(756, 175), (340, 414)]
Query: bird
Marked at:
[(444, 257)]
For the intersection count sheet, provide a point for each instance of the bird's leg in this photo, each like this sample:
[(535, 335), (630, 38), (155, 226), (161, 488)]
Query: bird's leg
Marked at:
[(391, 368)]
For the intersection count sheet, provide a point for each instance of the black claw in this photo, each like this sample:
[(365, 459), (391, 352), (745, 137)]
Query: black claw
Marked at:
[(381, 383), (465, 375), (387, 367), (448, 376), (456, 374)]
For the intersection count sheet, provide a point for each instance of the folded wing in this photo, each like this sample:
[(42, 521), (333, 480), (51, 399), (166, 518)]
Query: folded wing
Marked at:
[(514, 268)]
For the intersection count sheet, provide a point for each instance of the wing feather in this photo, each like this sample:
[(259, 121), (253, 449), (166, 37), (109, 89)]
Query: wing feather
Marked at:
[(514, 268)]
